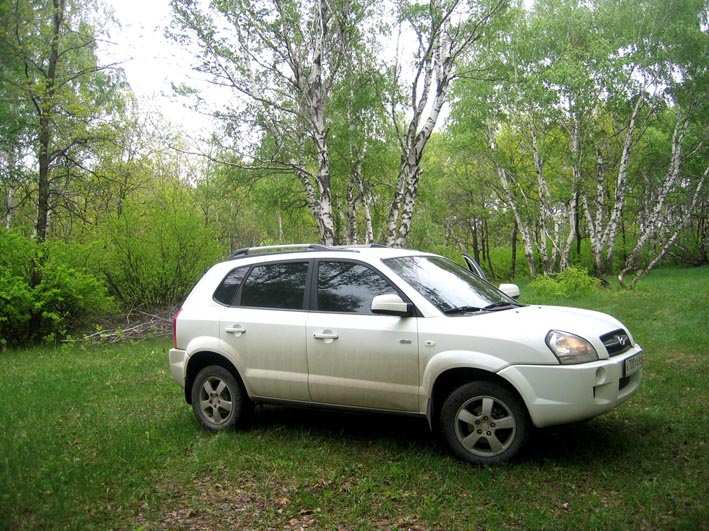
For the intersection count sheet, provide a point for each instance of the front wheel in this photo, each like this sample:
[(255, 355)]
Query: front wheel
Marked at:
[(484, 423), (217, 398)]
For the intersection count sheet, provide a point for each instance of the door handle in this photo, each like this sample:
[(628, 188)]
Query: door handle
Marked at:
[(326, 334), (237, 330)]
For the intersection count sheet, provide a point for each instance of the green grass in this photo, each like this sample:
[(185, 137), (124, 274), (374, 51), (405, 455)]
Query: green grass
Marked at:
[(100, 437)]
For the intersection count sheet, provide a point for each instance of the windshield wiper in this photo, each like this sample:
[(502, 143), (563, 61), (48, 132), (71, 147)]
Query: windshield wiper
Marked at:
[(500, 305), (462, 309)]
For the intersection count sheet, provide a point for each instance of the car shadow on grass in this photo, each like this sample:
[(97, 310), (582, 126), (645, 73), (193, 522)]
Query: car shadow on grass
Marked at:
[(602, 439), (365, 428)]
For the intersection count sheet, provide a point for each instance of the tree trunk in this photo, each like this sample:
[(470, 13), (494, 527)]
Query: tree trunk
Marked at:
[(393, 218), (476, 245), (544, 208), (351, 214), (577, 226), (671, 240), (654, 223), (609, 234), (8, 202), (572, 207), (514, 250), (565, 255), (367, 210), (486, 244), (44, 137), (8, 208)]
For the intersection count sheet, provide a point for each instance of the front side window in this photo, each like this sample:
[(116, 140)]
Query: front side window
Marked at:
[(228, 290), (348, 287), (279, 285), (448, 286)]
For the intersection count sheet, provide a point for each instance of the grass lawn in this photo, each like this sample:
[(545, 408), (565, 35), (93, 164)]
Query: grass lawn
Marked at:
[(101, 437)]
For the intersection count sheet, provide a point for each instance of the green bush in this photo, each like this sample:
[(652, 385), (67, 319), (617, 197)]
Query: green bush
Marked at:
[(17, 253), (157, 248), (570, 282), (40, 298), (16, 308), (65, 297)]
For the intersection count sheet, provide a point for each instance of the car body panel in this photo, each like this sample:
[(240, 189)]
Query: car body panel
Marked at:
[(570, 393), (272, 348), (374, 361)]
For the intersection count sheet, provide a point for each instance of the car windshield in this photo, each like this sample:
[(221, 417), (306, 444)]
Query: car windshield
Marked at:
[(448, 286)]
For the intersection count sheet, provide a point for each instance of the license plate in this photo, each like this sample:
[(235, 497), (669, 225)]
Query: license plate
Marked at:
[(632, 364)]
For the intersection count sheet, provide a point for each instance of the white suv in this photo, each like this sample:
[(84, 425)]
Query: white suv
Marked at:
[(394, 330)]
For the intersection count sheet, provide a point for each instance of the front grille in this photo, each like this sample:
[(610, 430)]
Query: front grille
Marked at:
[(616, 342)]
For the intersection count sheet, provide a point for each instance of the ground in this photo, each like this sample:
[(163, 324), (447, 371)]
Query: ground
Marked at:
[(100, 437)]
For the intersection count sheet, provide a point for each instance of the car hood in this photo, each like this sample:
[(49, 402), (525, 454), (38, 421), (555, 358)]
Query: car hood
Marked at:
[(519, 334), (588, 324)]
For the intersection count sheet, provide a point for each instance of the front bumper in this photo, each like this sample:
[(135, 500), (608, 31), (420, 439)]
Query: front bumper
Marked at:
[(178, 362), (557, 394)]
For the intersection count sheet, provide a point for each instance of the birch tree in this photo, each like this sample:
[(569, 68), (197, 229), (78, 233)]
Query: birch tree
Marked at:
[(602, 219), (444, 31), (663, 219), (360, 131), (281, 60)]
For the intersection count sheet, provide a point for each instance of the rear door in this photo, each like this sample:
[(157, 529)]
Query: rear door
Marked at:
[(265, 324), (357, 358)]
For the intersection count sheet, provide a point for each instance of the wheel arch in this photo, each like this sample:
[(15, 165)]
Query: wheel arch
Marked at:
[(450, 379), (204, 358)]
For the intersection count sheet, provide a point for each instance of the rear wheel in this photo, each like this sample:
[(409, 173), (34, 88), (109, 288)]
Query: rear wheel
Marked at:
[(217, 398), (484, 423)]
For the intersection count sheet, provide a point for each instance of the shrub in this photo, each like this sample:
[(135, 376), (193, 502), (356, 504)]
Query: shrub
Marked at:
[(157, 248), (17, 253), (572, 281), (41, 298), (65, 297), (16, 308)]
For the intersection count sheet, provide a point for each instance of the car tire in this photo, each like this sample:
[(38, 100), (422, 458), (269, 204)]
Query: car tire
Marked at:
[(218, 399), (484, 423)]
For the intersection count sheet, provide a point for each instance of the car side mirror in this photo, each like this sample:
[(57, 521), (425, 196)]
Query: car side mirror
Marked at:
[(511, 290), (391, 304)]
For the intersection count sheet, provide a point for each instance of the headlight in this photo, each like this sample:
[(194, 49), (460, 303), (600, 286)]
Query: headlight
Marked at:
[(569, 348)]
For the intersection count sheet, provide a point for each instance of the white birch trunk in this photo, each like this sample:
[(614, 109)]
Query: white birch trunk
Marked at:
[(673, 237), (351, 214), (522, 227), (609, 235), (651, 226)]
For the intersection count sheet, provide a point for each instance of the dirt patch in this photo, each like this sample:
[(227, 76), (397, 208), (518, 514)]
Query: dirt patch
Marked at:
[(221, 503), (210, 504)]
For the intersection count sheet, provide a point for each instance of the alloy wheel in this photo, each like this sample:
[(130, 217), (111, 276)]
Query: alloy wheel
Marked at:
[(215, 400), (485, 426)]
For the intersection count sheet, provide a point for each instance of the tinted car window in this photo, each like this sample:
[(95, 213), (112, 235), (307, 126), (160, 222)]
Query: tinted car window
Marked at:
[(228, 290), (349, 287), (275, 286)]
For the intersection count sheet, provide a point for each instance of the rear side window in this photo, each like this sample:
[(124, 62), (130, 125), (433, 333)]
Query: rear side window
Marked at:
[(228, 291), (349, 287), (275, 286)]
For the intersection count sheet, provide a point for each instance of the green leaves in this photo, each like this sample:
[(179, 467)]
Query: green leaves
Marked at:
[(42, 298)]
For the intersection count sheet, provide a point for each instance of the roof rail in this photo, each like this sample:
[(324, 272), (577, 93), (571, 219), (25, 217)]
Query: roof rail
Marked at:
[(275, 249)]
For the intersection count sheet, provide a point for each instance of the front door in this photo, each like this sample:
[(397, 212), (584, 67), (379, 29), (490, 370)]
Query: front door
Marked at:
[(356, 358)]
